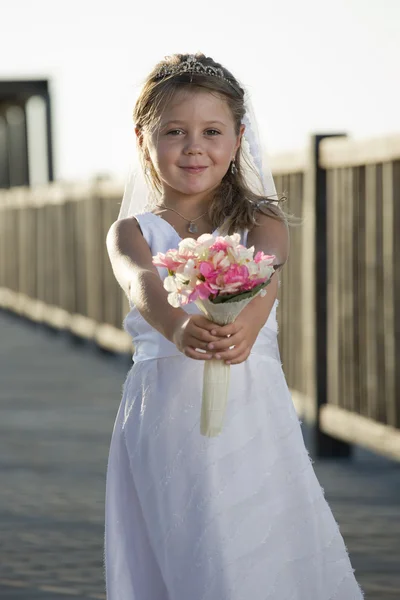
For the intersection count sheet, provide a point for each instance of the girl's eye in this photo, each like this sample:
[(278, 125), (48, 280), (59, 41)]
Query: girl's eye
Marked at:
[(209, 132)]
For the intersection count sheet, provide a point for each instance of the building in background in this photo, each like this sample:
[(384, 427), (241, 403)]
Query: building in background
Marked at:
[(26, 149)]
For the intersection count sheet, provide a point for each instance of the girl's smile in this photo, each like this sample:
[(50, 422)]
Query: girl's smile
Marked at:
[(194, 170)]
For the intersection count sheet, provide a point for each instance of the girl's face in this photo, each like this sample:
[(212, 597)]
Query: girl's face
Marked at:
[(194, 144)]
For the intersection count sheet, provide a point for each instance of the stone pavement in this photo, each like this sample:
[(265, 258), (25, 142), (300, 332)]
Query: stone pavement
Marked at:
[(58, 401)]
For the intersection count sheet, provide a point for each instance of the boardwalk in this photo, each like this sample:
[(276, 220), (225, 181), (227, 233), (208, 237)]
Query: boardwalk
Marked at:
[(57, 406)]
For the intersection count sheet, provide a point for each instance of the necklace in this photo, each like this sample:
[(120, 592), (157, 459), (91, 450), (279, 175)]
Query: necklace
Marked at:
[(192, 227)]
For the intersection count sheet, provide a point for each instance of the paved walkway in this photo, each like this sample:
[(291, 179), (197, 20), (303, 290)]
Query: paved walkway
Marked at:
[(57, 406)]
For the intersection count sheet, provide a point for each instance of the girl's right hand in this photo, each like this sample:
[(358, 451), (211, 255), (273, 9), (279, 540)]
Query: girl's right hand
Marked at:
[(194, 333)]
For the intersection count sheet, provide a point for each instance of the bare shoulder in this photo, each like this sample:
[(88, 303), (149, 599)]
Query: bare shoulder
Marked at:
[(271, 235), (123, 227), (122, 233)]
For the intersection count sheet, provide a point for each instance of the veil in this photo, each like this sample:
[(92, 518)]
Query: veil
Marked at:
[(139, 197)]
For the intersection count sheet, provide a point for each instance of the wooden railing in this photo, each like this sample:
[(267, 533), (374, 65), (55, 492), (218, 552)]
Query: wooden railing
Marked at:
[(54, 266), (339, 313), (340, 293), (363, 289)]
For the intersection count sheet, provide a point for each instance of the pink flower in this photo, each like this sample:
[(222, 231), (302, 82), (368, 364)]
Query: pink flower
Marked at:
[(236, 274), (202, 291), (208, 271), (252, 283), (261, 256), (171, 260), (220, 244)]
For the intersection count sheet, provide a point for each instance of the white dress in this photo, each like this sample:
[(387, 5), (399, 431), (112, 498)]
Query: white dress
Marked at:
[(236, 517)]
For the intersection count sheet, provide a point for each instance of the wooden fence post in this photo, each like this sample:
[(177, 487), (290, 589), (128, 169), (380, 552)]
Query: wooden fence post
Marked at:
[(325, 446)]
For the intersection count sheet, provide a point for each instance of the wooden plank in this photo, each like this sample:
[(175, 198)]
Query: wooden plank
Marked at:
[(22, 243), (284, 299), (40, 253), (94, 258), (114, 206), (82, 326), (362, 292), (296, 190), (68, 250), (52, 273), (59, 249), (113, 339), (396, 282), (111, 296), (14, 272), (305, 407), (289, 162), (32, 284), (371, 294), (357, 275), (347, 290), (341, 216), (360, 430), (333, 289), (380, 302), (2, 243), (308, 279), (80, 254), (389, 260), (345, 152), (288, 302)]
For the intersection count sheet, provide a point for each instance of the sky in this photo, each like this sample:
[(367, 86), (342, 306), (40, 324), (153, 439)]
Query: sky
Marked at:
[(311, 66)]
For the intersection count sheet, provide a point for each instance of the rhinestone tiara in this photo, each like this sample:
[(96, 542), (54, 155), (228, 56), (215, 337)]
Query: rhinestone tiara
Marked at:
[(193, 66)]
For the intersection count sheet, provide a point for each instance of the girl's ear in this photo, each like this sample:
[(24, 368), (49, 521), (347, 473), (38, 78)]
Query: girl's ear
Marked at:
[(141, 142), (239, 137), (139, 135)]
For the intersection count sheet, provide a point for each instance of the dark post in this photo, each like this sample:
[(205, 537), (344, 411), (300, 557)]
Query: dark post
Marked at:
[(49, 136), (325, 445), (4, 156)]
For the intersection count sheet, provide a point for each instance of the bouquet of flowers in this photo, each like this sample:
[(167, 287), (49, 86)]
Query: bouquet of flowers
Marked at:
[(221, 276)]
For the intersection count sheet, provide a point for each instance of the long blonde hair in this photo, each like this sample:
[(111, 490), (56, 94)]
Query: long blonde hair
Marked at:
[(234, 205)]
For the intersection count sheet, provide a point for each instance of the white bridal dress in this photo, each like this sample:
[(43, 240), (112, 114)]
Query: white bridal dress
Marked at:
[(236, 517)]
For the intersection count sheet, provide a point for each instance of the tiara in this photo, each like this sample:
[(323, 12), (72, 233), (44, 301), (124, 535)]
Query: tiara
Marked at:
[(193, 66)]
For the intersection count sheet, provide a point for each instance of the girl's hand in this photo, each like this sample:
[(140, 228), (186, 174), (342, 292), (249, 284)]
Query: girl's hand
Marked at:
[(242, 335), (193, 333)]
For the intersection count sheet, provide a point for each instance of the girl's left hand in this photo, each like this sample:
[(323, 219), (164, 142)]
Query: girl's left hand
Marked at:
[(242, 335)]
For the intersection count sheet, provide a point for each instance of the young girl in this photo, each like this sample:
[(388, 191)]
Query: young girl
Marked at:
[(240, 516)]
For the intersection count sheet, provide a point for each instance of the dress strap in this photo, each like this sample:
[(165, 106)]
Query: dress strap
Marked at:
[(244, 235), (144, 224)]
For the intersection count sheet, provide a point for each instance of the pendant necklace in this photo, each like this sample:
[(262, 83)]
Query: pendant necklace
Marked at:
[(192, 227)]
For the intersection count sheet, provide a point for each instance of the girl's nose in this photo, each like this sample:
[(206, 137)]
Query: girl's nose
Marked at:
[(193, 146)]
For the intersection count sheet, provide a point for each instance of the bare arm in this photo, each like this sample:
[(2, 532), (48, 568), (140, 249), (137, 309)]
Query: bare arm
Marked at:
[(131, 261)]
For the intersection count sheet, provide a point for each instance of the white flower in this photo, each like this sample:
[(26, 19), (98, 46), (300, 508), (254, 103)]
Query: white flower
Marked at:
[(206, 238), (265, 271), (190, 270), (174, 299), (233, 240), (187, 246), (203, 244), (252, 268), (170, 284), (241, 255)]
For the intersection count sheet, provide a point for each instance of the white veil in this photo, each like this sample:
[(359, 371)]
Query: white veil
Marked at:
[(139, 196)]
